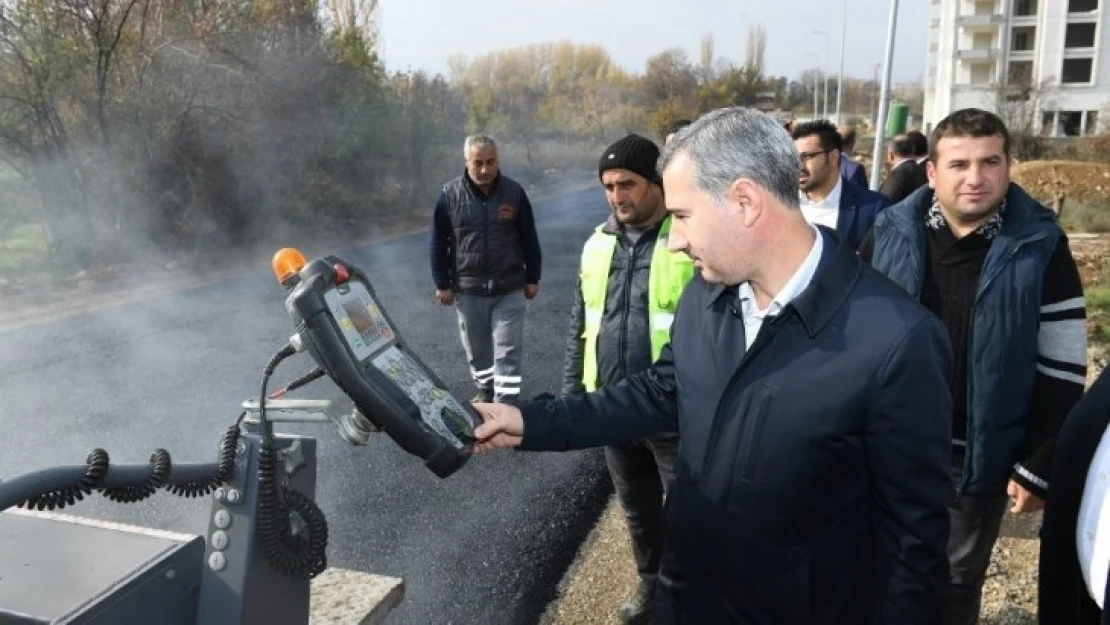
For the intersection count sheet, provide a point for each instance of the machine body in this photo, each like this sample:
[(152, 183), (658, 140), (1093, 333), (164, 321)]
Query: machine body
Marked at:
[(265, 539)]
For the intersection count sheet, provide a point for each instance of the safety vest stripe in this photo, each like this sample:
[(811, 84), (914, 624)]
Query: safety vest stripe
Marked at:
[(661, 321)]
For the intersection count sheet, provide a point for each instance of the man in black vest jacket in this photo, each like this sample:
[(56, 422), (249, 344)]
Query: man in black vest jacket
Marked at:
[(486, 261)]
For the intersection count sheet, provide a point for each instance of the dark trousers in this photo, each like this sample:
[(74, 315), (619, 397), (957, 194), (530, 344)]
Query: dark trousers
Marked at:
[(643, 471), (975, 523)]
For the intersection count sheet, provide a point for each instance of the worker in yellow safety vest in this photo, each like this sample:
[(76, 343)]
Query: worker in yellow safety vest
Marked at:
[(628, 289)]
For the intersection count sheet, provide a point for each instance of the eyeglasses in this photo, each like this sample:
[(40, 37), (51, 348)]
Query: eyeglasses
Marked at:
[(809, 156)]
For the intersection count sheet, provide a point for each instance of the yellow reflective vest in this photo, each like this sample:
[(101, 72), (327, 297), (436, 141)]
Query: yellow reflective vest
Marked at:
[(669, 274)]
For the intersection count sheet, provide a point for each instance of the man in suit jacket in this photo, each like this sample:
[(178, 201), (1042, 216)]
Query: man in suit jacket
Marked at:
[(827, 198), (849, 169), (920, 145), (905, 176), (812, 399), (1072, 585)]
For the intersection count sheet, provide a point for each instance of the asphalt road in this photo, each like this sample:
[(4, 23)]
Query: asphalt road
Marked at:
[(487, 545)]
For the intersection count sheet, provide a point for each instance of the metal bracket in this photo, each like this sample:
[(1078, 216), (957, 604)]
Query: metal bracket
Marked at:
[(292, 411), (354, 427)]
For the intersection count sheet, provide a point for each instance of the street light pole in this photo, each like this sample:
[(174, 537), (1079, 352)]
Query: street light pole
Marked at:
[(816, 77), (824, 70), (840, 77), (884, 97), (816, 91)]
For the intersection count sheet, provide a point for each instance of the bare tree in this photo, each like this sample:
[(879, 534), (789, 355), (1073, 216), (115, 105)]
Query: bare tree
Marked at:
[(756, 49), (669, 75), (358, 15), (706, 68), (1018, 103)]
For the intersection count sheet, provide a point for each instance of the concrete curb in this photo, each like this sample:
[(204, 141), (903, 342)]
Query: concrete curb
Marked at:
[(342, 597)]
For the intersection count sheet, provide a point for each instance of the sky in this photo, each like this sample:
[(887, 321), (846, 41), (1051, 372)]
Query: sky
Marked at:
[(423, 34)]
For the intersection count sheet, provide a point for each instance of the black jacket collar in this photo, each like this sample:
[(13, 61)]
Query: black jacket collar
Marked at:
[(837, 273)]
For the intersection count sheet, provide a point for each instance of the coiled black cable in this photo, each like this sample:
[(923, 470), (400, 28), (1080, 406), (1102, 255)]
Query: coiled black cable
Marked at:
[(160, 466), (289, 553), (97, 468), (226, 469)]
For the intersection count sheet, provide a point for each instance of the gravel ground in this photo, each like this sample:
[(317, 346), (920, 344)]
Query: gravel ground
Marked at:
[(603, 574)]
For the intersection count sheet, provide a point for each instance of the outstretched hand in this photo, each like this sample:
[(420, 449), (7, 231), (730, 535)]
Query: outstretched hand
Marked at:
[(502, 427)]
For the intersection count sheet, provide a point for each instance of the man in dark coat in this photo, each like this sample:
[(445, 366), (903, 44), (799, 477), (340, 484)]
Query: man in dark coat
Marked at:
[(1072, 585), (994, 266), (849, 169), (905, 175), (810, 394), (828, 199)]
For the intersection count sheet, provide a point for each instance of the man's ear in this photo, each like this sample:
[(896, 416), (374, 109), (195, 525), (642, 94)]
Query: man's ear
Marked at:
[(931, 173), (744, 198)]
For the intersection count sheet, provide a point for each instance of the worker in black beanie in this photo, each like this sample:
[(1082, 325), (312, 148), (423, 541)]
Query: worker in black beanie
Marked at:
[(628, 289), (634, 153)]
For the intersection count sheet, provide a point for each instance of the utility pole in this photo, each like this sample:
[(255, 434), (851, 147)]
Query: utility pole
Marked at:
[(884, 97), (872, 92), (816, 90), (825, 71), (840, 77)]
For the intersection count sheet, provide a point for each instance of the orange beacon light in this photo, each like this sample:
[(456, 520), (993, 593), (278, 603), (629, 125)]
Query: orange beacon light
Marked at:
[(287, 262)]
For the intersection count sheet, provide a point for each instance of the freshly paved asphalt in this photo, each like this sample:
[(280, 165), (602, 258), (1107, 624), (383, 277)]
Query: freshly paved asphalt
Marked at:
[(487, 545)]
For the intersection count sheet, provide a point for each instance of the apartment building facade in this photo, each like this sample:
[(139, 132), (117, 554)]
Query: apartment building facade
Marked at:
[(1042, 64)]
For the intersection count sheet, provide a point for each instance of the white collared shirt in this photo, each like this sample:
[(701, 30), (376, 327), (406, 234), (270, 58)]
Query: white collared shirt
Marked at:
[(803, 275), (1092, 532), (823, 212)]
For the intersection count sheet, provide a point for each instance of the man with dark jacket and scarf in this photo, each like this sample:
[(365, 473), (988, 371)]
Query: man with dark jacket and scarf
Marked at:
[(811, 398), (628, 289), (995, 267)]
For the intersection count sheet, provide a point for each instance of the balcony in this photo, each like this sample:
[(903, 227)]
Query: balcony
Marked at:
[(976, 54), (980, 21)]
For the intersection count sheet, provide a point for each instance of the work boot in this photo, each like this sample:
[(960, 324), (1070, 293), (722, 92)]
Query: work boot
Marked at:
[(639, 608)]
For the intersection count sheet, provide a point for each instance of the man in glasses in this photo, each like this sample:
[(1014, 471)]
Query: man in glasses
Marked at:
[(827, 198)]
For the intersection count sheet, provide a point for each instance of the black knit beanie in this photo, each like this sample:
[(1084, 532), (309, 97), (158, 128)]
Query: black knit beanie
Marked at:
[(634, 153)]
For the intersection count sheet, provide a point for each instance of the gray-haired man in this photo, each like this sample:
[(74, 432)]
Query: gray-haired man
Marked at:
[(812, 399), (485, 257)]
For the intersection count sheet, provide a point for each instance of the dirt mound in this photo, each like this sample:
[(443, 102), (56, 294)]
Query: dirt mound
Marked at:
[(1082, 182)]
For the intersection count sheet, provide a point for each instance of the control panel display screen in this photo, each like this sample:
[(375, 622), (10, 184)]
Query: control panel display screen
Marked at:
[(361, 321), (373, 343)]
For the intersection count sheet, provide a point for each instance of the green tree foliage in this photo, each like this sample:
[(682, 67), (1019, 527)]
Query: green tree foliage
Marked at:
[(194, 125)]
